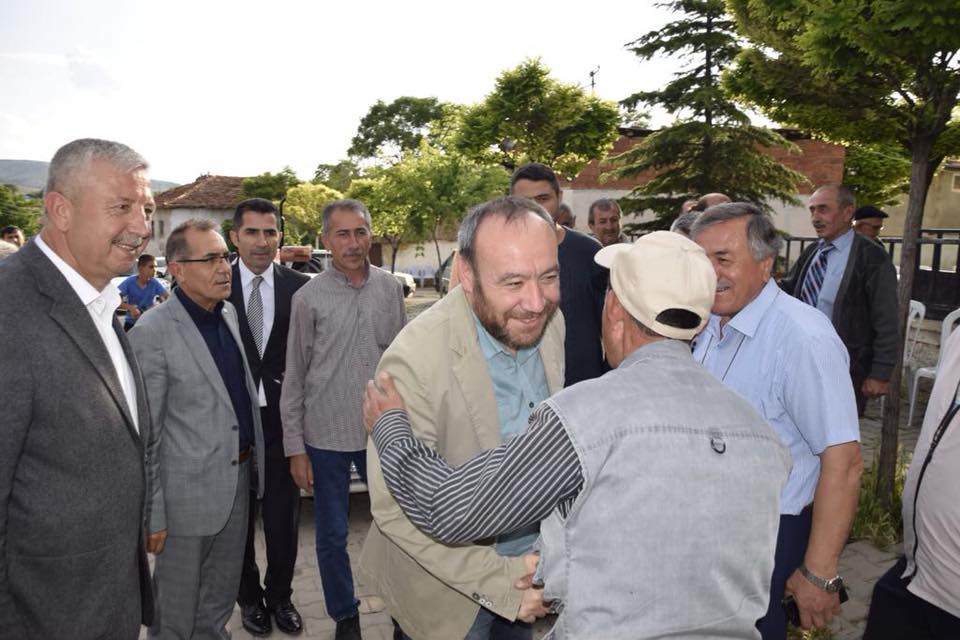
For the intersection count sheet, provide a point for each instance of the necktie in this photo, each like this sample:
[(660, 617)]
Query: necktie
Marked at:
[(814, 280), (255, 314)]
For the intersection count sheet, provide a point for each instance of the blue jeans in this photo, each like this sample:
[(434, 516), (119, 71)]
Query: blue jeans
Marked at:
[(331, 500)]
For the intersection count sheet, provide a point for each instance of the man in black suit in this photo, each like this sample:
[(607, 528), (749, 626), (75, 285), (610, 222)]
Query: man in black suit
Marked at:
[(262, 290), (75, 415), (851, 279)]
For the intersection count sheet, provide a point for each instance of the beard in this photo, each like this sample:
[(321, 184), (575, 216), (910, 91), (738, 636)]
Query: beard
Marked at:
[(497, 326)]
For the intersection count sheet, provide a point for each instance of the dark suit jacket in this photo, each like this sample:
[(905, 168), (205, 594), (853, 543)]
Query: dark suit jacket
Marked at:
[(72, 478), (270, 367), (865, 312)]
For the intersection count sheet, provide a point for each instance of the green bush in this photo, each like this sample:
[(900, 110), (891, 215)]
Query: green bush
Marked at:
[(880, 526)]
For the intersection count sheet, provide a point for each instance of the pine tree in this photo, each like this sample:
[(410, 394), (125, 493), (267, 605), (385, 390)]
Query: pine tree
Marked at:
[(711, 146)]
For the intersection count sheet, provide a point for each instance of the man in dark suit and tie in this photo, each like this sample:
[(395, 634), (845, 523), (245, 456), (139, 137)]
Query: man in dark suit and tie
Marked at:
[(262, 290), (72, 479)]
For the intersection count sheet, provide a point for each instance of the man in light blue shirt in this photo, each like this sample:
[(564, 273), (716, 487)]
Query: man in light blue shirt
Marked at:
[(787, 360)]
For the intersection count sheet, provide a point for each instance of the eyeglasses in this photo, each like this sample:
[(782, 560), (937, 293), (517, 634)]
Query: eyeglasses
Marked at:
[(875, 227), (210, 260)]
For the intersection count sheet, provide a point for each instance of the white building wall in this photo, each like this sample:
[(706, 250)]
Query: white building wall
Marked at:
[(166, 220)]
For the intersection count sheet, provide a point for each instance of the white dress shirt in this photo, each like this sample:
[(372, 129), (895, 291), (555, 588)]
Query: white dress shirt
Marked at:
[(101, 305), (269, 301)]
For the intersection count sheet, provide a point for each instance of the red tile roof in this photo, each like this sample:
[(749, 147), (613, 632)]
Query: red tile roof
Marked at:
[(206, 192)]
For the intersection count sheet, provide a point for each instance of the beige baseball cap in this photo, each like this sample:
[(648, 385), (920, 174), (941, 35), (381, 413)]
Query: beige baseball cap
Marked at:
[(661, 271)]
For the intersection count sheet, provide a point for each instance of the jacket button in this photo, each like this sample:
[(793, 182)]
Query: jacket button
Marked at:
[(233, 462), (234, 427)]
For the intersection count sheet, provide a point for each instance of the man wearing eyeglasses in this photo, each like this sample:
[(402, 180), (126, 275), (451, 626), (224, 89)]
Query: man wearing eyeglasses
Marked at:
[(853, 282), (205, 430), (869, 221)]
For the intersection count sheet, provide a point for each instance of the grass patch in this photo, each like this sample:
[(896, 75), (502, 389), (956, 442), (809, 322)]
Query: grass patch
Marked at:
[(880, 526), (795, 633)]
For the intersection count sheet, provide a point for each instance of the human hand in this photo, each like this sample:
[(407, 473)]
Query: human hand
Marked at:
[(155, 542), (873, 388), (816, 606), (531, 604), (381, 396), (301, 471), (135, 312)]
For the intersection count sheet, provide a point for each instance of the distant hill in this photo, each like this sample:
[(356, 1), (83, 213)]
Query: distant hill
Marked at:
[(31, 175)]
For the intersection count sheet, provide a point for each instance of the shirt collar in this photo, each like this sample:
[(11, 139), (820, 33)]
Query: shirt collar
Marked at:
[(491, 347), (748, 319), (341, 277), (842, 242), (198, 313), (105, 301), (247, 276)]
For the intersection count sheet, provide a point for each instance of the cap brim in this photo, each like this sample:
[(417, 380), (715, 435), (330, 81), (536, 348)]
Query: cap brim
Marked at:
[(608, 254)]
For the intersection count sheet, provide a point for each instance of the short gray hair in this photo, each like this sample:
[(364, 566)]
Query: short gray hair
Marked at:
[(684, 222), (845, 195), (350, 205), (177, 247), (762, 236), (510, 208), (78, 155)]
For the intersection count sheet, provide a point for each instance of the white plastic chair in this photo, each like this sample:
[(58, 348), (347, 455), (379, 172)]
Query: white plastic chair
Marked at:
[(931, 372), (918, 312)]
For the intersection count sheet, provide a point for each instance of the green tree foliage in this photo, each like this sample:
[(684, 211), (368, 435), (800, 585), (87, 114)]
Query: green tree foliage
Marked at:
[(303, 209), (337, 176), (390, 129), (878, 173), (871, 71), (436, 189), (389, 212), (531, 117), (17, 209), (711, 146), (271, 186)]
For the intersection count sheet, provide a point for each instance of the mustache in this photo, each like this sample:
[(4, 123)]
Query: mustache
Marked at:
[(129, 239)]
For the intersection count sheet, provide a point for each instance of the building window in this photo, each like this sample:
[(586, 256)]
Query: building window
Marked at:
[(956, 182)]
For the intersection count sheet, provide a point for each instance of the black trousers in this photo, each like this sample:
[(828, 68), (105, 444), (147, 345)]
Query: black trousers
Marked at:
[(280, 511), (791, 547), (896, 613)]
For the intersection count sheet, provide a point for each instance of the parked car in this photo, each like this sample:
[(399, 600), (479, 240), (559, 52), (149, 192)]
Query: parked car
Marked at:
[(407, 281)]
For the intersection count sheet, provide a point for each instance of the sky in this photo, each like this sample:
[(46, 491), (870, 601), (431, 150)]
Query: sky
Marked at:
[(241, 87)]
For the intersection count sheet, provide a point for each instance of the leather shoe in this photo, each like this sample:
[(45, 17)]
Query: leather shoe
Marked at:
[(255, 619), (287, 618), (349, 629)]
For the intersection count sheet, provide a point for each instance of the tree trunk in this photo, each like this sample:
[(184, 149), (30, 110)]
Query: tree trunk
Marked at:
[(436, 243), (395, 245), (919, 184)]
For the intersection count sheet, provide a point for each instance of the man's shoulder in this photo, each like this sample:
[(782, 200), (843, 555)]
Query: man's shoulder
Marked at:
[(384, 278), (873, 252), (580, 243), (431, 330), (292, 276), (796, 319)]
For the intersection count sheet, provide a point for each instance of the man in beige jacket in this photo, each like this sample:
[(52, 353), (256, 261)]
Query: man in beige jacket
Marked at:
[(470, 369)]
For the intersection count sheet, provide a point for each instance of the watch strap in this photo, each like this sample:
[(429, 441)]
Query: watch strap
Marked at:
[(830, 585)]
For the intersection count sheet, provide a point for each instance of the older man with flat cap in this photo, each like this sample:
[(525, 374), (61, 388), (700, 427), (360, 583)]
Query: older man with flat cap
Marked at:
[(868, 221), (603, 463)]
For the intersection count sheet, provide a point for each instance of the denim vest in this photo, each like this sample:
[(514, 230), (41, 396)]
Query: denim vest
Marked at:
[(674, 530)]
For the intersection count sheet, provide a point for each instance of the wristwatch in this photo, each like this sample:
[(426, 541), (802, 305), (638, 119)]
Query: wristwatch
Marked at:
[(830, 585)]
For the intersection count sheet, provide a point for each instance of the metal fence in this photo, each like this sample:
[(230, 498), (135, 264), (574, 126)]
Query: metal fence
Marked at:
[(937, 281)]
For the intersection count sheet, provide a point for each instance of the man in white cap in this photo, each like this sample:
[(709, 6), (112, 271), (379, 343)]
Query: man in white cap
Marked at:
[(656, 458)]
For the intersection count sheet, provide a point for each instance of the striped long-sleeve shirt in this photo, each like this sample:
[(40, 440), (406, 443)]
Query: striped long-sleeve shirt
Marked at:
[(497, 491)]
